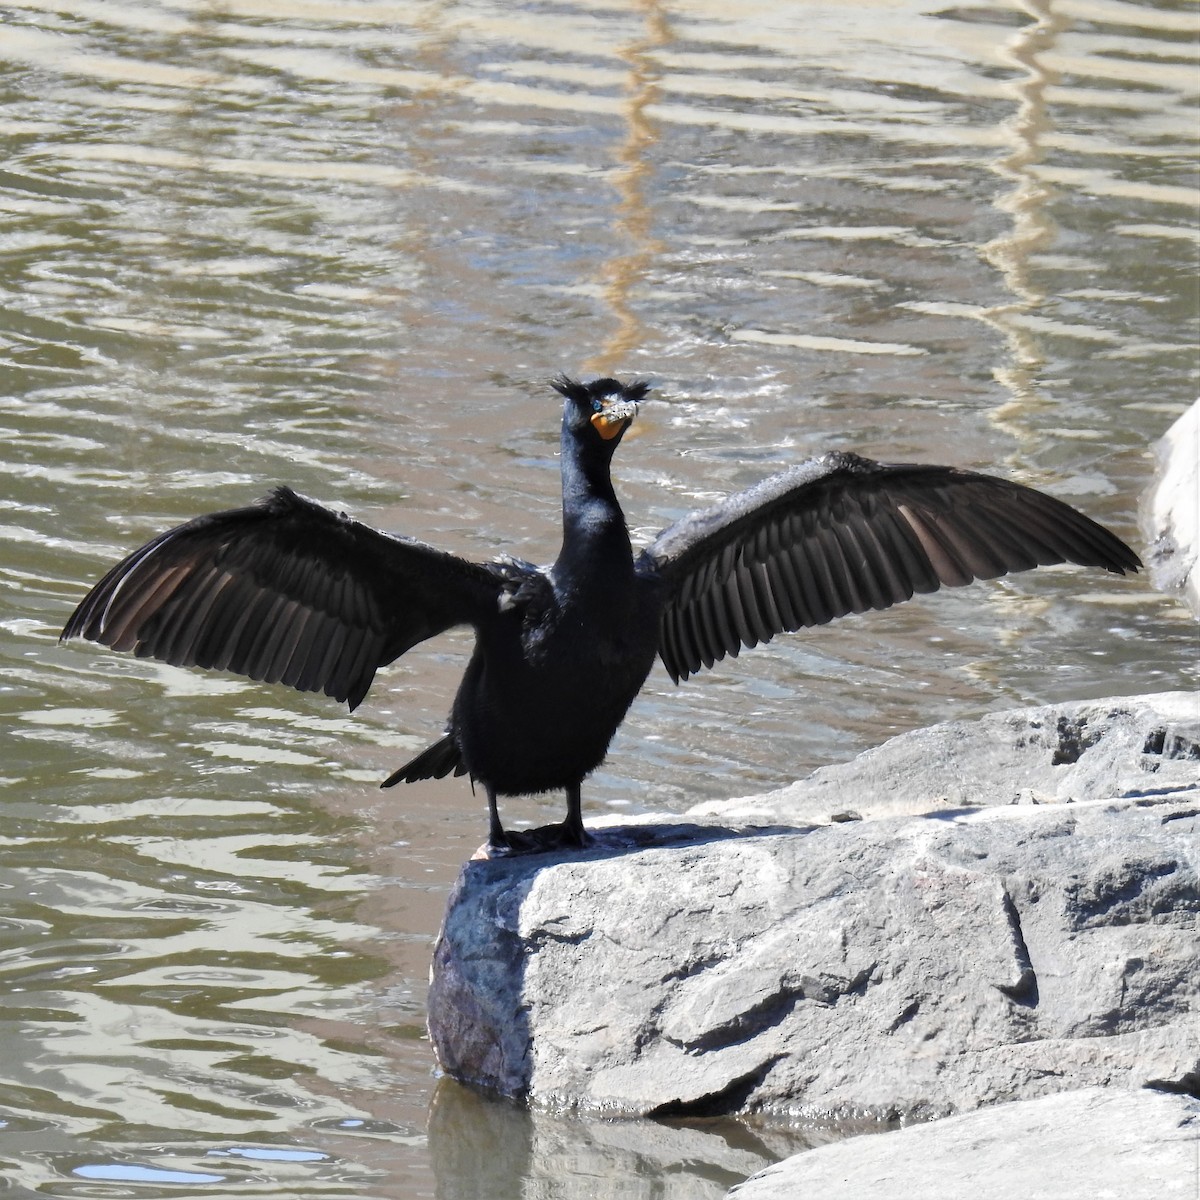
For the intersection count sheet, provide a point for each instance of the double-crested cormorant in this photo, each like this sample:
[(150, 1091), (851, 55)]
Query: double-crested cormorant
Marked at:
[(287, 591)]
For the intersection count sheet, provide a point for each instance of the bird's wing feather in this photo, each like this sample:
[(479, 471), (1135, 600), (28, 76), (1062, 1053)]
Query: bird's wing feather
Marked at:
[(287, 591), (843, 534)]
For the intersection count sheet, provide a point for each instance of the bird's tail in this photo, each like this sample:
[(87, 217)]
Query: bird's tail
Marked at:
[(438, 761)]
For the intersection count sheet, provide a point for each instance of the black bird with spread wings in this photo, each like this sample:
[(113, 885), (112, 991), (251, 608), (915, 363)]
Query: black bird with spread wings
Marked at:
[(287, 591)]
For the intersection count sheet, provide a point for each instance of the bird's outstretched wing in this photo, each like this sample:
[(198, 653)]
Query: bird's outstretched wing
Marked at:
[(284, 591), (843, 534)]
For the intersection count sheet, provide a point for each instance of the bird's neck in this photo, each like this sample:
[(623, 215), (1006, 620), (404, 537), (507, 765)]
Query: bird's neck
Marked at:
[(595, 539)]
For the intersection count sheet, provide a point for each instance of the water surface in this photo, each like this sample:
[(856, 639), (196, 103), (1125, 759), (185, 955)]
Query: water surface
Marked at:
[(344, 247)]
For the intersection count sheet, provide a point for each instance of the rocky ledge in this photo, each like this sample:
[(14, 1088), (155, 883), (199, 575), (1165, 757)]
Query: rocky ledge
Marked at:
[(1139, 1145), (976, 912)]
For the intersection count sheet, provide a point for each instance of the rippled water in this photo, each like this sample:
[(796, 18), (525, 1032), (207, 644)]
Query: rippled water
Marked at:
[(344, 246)]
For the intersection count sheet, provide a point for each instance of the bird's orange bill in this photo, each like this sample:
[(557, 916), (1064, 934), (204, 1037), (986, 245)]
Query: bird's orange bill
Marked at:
[(609, 421)]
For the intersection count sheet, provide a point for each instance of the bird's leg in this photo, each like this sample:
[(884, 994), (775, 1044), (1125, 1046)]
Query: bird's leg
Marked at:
[(497, 838), (573, 832), (502, 842)]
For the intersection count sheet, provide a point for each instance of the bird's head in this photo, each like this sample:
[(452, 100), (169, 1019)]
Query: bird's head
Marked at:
[(598, 413)]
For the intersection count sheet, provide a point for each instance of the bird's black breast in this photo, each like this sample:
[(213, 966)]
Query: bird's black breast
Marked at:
[(550, 680)]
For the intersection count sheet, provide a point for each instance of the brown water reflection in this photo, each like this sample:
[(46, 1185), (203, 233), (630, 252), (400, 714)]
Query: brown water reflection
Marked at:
[(344, 247)]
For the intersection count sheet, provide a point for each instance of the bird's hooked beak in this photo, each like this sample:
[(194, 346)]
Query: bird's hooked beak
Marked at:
[(613, 418)]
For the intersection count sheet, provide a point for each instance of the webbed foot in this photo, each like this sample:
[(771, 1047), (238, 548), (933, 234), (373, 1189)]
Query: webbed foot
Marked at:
[(562, 836)]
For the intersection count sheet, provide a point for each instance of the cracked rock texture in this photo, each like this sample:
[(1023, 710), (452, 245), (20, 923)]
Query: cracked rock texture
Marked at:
[(1097, 1142), (1016, 915)]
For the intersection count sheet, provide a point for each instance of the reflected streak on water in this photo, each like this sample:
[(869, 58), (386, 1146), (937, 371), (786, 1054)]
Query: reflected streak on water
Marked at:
[(344, 248), (1032, 229), (634, 216)]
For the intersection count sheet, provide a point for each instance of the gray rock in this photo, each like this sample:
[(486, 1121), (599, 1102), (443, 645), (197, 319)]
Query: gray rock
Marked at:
[(1171, 511), (1059, 754), (896, 966), (1082, 1145)]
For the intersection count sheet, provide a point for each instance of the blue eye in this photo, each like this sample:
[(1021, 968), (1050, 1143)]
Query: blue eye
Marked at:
[(597, 405)]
